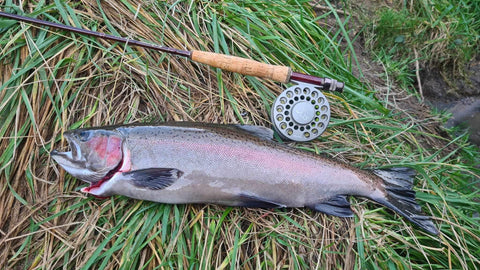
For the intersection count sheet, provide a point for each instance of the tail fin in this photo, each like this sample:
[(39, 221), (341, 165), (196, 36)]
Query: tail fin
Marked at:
[(400, 197)]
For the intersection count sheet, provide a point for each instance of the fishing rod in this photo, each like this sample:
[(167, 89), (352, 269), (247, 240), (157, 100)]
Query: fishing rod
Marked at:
[(236, 64), (300, 113)]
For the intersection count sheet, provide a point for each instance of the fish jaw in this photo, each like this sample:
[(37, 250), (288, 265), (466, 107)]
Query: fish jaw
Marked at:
[(71, 161), (64, 159)]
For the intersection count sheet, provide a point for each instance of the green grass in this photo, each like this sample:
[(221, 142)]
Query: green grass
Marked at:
[(54, 81), (439, 34), (444, 32)]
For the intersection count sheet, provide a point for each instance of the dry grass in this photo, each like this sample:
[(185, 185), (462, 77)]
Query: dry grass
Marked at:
[(54, 81)]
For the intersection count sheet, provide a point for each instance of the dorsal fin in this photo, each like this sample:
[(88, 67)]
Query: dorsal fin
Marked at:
[(257, 131)]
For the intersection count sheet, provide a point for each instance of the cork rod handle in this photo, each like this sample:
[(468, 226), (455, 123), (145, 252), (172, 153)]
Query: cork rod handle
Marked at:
[(243, 66)]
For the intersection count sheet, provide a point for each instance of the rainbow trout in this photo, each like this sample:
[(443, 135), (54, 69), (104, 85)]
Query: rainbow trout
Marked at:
[(237, 165)]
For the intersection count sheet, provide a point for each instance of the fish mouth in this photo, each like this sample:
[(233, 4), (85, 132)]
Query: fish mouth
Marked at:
[(72, 161), (74, 155), (75, 164)]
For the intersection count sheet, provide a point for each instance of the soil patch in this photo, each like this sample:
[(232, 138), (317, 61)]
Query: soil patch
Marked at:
[(459, 96)]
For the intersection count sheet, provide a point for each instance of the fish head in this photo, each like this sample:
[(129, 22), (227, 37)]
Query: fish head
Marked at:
[(94, 154)]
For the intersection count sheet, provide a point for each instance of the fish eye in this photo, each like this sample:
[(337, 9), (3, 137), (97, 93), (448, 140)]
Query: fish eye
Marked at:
[(84, 136)]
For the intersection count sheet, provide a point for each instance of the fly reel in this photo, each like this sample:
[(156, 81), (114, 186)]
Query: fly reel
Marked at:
[(300, 113)]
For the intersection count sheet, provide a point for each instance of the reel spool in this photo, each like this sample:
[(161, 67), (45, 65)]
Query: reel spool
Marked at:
[(300, 113)]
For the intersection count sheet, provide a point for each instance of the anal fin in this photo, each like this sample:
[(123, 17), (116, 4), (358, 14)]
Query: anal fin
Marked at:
[(153, 178), (335, 206), (247, 200)]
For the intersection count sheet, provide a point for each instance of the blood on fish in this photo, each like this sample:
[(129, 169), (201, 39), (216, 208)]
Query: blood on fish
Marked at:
[(107, 177)]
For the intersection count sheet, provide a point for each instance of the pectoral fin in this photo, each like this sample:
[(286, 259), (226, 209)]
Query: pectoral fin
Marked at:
[(336, 206), (253, 201), (153, 178)]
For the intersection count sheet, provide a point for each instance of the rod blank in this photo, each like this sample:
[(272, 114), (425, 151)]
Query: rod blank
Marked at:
[(236, 64)]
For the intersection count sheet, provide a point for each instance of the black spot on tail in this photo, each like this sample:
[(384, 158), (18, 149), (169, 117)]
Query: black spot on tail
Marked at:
[(401, 197)]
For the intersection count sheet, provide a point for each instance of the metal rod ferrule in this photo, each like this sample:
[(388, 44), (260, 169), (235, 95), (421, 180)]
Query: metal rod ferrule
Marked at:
[(325, 83)]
